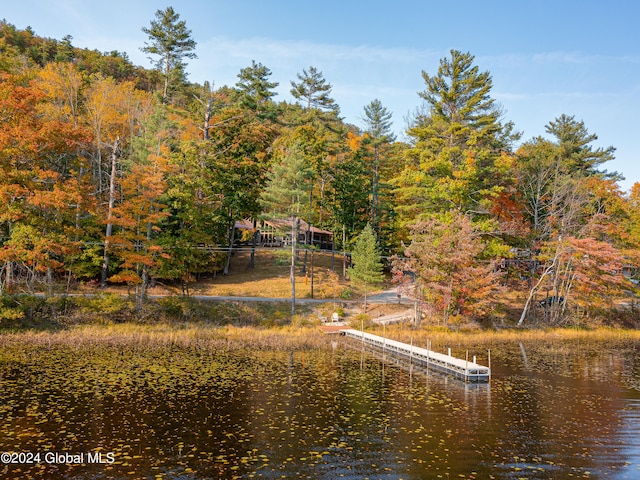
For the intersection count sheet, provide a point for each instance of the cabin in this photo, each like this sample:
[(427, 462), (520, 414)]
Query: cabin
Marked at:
[(276, 232), (632, 273)]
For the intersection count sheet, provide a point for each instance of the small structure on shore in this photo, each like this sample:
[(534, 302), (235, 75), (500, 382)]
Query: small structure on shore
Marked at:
[(276, 232)]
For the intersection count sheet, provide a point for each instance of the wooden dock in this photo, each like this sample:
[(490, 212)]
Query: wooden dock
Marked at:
[(460, 368)]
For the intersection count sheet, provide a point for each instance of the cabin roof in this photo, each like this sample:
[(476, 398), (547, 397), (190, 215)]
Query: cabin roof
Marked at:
[(281, 224)]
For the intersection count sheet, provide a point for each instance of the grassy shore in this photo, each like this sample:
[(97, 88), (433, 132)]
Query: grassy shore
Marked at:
[(269, 278), (297, 337)]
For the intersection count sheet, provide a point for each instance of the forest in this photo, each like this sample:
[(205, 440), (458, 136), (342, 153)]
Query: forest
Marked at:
[(113, 173)]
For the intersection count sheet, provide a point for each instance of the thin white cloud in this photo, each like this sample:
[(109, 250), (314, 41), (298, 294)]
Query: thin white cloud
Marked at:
[(251, 48), (514, 96), (533, 88), (552, 58)]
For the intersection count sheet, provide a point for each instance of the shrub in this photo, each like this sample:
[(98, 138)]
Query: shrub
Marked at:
[(107, 304)]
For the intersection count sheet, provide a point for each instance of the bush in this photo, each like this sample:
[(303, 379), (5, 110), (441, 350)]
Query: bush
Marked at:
[(282, 257), (8, 313), (19, 311), (346, 294), (360, 319), (106, 306), (181, 308)]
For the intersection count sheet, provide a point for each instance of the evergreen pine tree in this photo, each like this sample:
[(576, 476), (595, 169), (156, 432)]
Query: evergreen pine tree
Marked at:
[(170, 39), (367, 264), (255, 88), (286, 191), (313, 90), (378, 135), (576, 153)]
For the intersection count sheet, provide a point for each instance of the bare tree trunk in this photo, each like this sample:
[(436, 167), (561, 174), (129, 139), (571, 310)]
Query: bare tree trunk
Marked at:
[(312, 273), (2, 270), (145, 271), (112, 201), (344, 253), (533, 291), (333, 253), (252, 264), (166, 78), (232, 238), (365, 297), (50, 280), (292, 274), (207, 119), (308, 232)]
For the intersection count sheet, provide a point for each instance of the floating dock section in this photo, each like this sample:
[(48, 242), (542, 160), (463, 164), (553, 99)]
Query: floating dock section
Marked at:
[(461, 368)]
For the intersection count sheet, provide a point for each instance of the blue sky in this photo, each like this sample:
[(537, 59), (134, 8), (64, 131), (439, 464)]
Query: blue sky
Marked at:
[(546, 57)]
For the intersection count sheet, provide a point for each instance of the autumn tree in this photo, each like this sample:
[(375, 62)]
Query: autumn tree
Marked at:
[(139, 215), (115, 112), (450, 273), (634, 211), (170, 40), (42, 189), (569, 209), (62, 83), (239, 154), (584, 274)]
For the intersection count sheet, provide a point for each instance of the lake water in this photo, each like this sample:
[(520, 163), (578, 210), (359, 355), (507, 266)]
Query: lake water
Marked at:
[(551, 411)]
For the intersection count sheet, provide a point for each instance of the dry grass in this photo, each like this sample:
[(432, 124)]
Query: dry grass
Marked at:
[(270, 277), (440, 337), (170, 335), (296, 337)]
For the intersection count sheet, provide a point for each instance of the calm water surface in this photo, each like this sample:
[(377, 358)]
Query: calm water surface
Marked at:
[(551, 411)]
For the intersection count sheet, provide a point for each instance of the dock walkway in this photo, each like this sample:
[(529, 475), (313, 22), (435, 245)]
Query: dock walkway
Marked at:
[(461, 368)]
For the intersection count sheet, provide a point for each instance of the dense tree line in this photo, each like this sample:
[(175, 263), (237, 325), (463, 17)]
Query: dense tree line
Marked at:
[(115, 173)]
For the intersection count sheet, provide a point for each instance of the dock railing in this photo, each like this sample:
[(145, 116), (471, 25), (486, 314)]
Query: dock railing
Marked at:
[(461, 368)]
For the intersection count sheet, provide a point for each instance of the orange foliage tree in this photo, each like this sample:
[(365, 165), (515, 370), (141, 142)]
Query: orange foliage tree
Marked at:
[(42, 189), (139, 213), (114, 112), (444, 258)]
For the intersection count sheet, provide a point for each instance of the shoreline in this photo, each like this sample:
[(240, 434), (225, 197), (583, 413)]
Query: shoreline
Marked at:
[(295, 336)]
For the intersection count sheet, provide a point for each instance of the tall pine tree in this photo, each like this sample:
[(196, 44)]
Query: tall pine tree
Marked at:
[(287, 189), (313, 90), (456, 143), (170, 40)]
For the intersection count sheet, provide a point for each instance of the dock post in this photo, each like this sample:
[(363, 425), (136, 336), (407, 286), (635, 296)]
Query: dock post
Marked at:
[(489, 362), (466, 367), (384, 336), (411, 351)]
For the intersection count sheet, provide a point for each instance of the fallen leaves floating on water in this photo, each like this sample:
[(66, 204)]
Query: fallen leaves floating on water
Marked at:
[(186, 410)]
